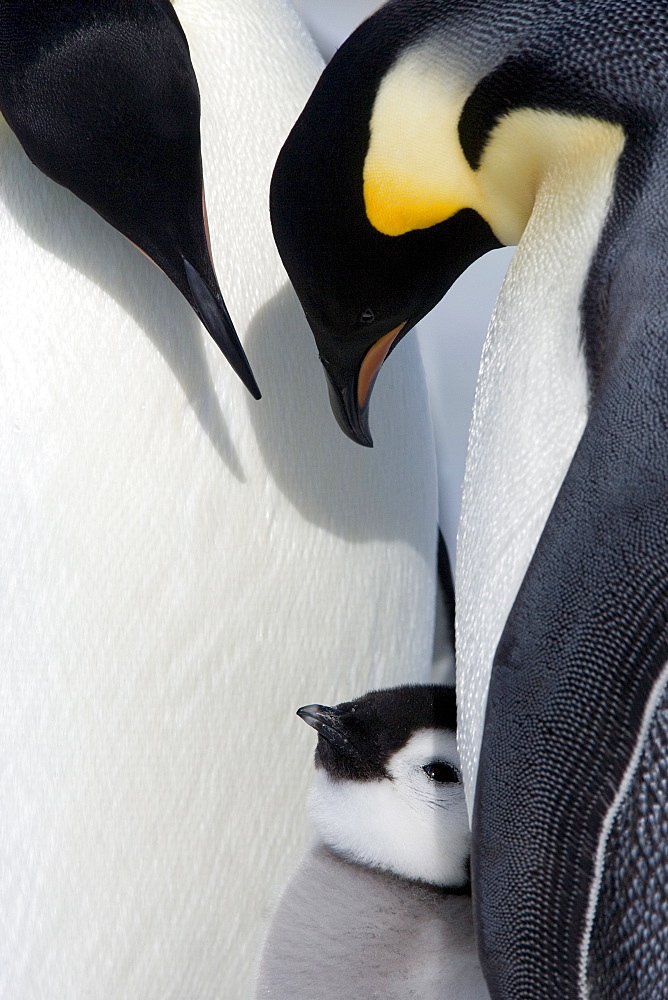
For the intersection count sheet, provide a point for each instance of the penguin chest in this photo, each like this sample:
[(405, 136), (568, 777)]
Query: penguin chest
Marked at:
[(529, 413)]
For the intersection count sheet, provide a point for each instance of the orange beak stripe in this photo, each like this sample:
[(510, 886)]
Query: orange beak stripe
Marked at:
[(137, 247), (372, 363)]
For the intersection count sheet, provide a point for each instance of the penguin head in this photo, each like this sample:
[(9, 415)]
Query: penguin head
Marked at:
[(422, 147), (388, 791), (103, 97)]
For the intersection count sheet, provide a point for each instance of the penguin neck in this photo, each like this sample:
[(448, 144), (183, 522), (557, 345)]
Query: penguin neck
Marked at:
[(529, 413)]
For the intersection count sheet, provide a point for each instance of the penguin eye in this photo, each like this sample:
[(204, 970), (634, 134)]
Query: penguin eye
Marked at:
[(438, 771), (368, 316)]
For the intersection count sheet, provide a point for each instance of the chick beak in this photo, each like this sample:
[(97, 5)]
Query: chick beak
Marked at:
[(350, 398), (327, 722)]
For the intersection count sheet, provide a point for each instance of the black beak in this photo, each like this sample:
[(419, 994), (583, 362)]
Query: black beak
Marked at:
[(352, 418), (328, 723), (350, 396), (214, 315)]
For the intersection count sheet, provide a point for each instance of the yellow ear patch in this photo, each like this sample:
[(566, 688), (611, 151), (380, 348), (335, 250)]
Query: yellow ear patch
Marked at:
[(397, 202), (416, 174)]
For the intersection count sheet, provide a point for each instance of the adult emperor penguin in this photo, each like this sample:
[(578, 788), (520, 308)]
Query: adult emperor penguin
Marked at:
[(180, 565), (441, 130), (103, 97), (388, 789)]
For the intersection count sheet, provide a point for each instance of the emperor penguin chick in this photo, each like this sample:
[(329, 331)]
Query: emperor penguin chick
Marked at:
[(388, 791)]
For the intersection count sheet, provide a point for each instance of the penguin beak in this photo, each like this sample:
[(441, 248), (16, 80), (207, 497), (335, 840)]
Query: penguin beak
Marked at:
[(350, 397), (214, 315), (327, 722), (210, 308), (352, 418)]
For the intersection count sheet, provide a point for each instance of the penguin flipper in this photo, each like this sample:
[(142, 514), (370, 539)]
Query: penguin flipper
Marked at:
[(579, 680)]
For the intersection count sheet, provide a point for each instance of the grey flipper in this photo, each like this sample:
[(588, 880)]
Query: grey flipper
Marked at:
[(581, 667), (628, 954), (342, 932)]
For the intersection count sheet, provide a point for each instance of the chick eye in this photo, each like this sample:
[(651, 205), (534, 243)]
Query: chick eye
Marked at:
[(438, 771), (368, 316)]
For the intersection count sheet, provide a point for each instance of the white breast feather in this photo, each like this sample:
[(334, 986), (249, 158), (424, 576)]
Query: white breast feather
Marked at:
[(529, 414), (179, 562)]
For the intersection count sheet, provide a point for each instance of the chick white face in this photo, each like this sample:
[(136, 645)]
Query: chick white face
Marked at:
[(412, 822)]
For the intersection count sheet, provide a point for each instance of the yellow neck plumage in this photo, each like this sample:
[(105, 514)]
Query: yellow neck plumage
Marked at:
[(416, 174)]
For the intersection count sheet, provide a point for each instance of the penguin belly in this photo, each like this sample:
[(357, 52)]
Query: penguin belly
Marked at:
[(529, 414), (181, 564)]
